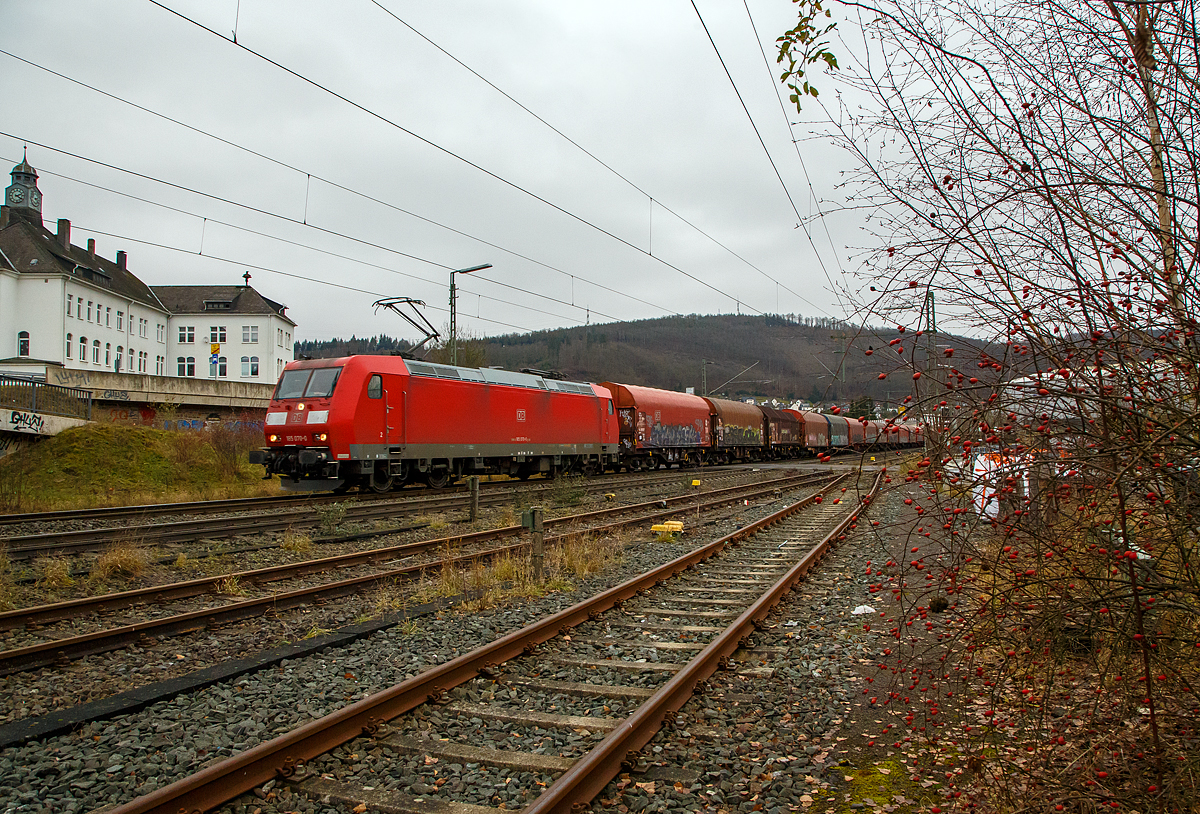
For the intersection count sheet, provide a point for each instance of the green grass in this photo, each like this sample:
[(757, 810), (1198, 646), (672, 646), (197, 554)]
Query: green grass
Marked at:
[(113, 464)]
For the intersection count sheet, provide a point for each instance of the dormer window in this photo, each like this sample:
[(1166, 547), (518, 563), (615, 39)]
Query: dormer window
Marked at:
[(218, 305)]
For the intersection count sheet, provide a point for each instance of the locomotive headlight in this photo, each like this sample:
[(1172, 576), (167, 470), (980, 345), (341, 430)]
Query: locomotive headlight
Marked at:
[(322, 436), (300, 406), (272, 438)]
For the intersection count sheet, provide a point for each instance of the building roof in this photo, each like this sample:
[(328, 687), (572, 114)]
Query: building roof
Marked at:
[(24, 167), (32, 249), (218, 299)]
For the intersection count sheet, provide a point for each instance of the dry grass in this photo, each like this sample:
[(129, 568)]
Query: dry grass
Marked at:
[(6, 586), (505, 518), (53, 572), (388, 596), (123, 559), (296, 542), (231, 586), (581, 554), (331, 516)]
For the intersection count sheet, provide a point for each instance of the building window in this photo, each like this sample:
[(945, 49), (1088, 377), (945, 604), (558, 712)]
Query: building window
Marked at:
[(79, 308), (250, 334), (70, 303), (143, 358), (23, 343), (120, 320), (220, 369), (83, 348), (216, 334), (89, 310), (249, 365), (107, 317), (160, 332), (95, 351), (107, 354), (143, 328), (160, 365), (69, 338), (120, 351), (187, 335), (187, 367)]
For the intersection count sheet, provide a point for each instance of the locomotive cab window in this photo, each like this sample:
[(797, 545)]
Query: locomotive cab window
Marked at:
[(375, 387), (307, 383)]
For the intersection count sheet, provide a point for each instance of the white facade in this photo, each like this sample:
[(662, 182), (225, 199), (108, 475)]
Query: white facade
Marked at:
[(63, 305), (252, 347), (105, 331)]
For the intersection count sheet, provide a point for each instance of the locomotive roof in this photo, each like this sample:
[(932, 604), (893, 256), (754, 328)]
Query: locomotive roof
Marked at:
[(489, 375)]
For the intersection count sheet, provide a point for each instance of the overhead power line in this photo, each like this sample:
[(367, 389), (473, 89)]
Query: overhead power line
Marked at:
[(446, 151), (803, 166), (270, 270), (590, 154), (337, 185)]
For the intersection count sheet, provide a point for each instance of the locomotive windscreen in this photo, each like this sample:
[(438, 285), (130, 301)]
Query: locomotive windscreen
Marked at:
[(317, 382)]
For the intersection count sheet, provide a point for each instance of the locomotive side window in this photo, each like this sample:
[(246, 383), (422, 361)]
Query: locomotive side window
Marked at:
[(610, 410), (375, 387)]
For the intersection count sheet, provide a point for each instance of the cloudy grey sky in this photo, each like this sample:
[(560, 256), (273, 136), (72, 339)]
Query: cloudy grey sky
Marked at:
[(423, 166)]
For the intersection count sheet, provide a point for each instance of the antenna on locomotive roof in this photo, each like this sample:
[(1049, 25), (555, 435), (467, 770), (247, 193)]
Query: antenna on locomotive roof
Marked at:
[(417, 320)]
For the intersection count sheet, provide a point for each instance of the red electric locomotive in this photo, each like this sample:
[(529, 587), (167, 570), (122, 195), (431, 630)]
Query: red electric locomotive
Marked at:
[(379, 422)]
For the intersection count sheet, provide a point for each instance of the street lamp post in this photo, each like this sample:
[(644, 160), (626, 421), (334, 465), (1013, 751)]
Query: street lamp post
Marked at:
[(453, 307)]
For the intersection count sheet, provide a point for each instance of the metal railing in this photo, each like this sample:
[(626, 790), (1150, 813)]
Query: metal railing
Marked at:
[(38, 397)]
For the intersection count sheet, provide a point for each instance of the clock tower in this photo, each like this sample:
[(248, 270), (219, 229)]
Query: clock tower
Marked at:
[(23, 198)]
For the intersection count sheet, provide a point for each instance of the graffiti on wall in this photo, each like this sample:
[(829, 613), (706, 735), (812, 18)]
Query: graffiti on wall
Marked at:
[(27, 422), (73, 378), (114, 395), (145, 414)]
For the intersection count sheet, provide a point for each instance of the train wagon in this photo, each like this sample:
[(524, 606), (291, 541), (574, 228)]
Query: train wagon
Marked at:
[(785, 432), (660, 427), (858, 433), (839, 431), (737, 430), (816, 431), (382, 421)]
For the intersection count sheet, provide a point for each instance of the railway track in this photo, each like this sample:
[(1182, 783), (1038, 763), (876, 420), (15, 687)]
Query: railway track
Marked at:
[(259, 515), (638, 651), (467, 548)]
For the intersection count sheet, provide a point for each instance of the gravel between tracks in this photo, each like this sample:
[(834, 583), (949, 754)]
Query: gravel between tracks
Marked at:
[(116, 760)]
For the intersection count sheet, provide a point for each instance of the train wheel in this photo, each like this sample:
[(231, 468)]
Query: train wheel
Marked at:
[(591, 469), (438, 478), (381, 481)]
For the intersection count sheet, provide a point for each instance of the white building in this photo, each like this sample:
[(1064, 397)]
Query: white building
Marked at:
[(250, 334), (65, 306)]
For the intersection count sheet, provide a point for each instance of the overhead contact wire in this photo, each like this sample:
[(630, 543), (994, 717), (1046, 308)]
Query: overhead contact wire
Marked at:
[(456, 156)]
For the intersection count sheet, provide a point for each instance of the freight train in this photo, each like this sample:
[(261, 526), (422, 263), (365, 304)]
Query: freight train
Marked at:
[(380, 422)]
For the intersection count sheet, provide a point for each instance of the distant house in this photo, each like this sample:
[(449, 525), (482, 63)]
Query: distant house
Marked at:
[(65, 306)]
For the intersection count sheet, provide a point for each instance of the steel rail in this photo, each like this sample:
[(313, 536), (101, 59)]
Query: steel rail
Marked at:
[(101, 641), (250, 503), (28, 546), (592, 772), (44, 614), (281, 756)]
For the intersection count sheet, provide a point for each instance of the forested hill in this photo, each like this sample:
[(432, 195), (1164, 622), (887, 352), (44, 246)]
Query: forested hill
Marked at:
[(788, 357)]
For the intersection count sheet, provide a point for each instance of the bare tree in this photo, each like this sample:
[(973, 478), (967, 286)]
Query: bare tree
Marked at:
[(1033, 168)]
